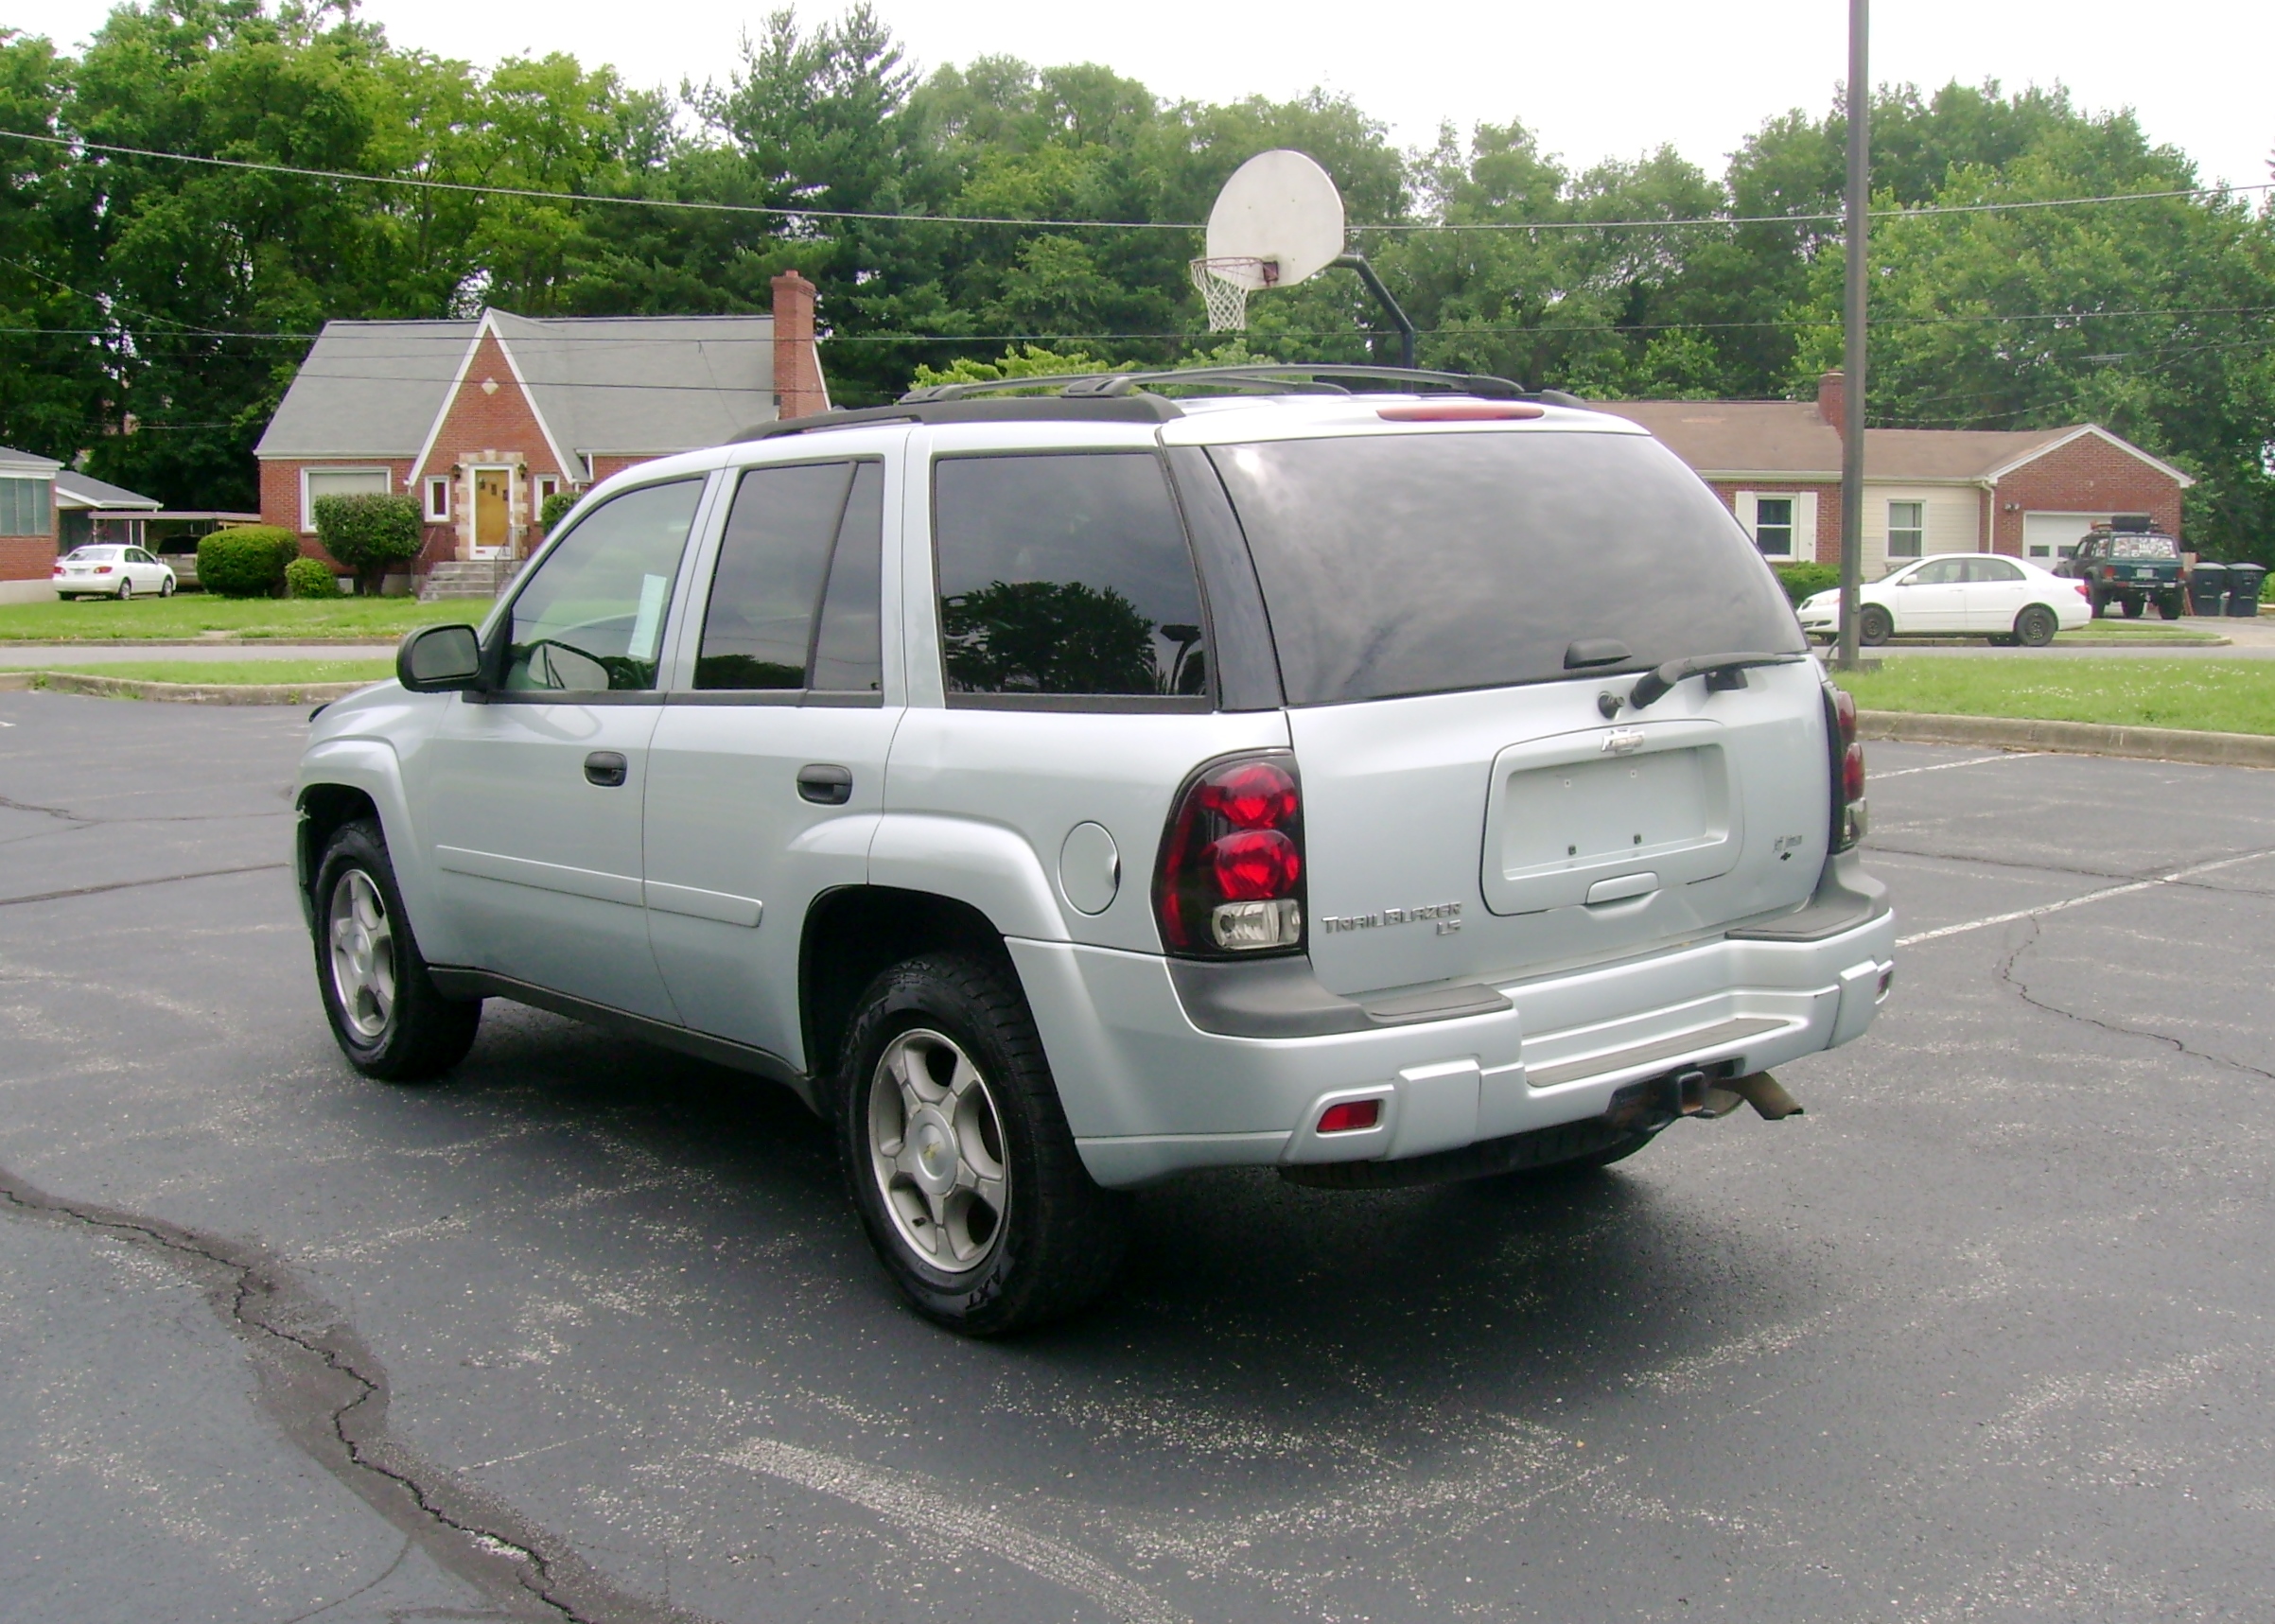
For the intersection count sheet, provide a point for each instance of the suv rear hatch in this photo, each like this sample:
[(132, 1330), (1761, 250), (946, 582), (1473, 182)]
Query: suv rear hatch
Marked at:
[(1450, 605)]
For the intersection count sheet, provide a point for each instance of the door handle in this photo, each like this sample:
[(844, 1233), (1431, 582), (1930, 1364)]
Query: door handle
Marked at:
[(606, 768), (824, 784)]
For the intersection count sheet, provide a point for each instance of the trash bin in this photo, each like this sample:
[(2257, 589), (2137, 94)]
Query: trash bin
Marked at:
[(2244, 581), (2207, 585)]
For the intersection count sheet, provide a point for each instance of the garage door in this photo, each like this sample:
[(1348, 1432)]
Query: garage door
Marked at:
[(2047, 538)]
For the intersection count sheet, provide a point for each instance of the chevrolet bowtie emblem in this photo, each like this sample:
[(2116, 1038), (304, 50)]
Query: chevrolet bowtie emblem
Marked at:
[(1622, 740)]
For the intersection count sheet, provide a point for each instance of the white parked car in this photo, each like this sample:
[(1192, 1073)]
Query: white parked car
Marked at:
[(1978, 594), (111, 571)]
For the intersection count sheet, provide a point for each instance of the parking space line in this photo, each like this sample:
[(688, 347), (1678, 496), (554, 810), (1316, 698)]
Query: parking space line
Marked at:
[(2101, 896), (1970, 761)]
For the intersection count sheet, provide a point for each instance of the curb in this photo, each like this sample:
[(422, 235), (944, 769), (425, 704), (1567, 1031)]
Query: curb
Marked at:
[(180, 692), (2072, 738)]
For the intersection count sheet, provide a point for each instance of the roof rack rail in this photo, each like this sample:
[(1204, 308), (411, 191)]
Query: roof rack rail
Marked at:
[(1122, 408), (1268, 378)]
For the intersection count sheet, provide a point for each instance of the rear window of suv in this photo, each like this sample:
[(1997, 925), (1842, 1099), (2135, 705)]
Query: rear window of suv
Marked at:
[(1433, 562), (2143, 547)]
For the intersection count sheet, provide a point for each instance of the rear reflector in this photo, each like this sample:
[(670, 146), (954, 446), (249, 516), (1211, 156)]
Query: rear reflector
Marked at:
[(1459, 411), (1350, 1116)]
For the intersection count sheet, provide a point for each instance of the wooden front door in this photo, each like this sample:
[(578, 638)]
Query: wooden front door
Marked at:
[(492, 512)]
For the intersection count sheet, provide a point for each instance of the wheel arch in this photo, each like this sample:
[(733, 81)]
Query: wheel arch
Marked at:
[(854, 932), (347, 779)]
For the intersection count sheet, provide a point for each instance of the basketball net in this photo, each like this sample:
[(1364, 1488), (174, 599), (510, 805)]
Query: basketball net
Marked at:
[(1225, 284)]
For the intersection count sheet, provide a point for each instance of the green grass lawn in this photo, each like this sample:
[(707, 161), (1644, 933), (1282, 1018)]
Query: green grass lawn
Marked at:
[(239, 672), (2213, 695), (187, 615)]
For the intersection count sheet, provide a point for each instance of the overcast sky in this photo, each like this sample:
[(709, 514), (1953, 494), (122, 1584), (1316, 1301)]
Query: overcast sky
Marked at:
[(1593, 80)]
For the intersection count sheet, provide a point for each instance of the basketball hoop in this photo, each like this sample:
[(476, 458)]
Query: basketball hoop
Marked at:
[(1226, 281), (1278, 221)]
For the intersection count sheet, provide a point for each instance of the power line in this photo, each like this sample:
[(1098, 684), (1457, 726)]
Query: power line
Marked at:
[(786, 213), (1538, 330)]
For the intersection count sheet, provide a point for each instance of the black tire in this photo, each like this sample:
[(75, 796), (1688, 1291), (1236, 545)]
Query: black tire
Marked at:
[(126, 589), (1874, 625), (2135, 605), (1059, 1238), (2034, 628), (166, 587), (2099, 604), (2169, 607), (418, 1034)]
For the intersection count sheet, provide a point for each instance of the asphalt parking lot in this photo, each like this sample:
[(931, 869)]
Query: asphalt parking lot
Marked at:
[(1986, 1335)]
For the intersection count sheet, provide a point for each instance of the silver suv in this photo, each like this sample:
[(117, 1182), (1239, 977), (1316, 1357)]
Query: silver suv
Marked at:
[(1062, 792)]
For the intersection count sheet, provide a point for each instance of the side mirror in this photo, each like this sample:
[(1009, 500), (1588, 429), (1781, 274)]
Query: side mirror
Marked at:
[(440, 660)]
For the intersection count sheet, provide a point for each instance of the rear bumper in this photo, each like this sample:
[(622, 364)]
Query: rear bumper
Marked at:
[(1149, 1093)]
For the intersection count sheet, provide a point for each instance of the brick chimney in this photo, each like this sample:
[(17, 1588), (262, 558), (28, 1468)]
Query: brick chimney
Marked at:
[(798, 385), (1832, 398)]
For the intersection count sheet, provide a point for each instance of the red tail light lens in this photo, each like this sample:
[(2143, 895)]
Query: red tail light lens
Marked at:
[(1848, 769), (1231, 876), (102, 569)]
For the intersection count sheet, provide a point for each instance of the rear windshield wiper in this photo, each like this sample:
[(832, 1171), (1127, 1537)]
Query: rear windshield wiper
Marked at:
[(1656, 682)]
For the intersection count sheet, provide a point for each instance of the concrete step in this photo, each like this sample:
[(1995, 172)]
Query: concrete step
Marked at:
[(467, 578)]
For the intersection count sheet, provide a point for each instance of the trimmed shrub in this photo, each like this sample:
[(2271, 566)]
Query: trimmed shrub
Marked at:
[(1805, 581), (245, 562), (556, 506), (310, 578), (366, 533)]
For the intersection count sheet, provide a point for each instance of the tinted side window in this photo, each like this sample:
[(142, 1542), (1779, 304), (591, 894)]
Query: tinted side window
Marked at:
[(1991, 569), (1943, 572), (591, 616), (1065, 574), (849, 649), (759, 624)]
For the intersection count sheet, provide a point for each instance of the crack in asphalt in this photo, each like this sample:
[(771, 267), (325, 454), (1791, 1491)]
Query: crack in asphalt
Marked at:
[(67, 816), (129, 884), (329, 1395), (2006, 974)]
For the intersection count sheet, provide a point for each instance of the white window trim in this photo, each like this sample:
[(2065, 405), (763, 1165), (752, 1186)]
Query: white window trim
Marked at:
[(437, 506), (1804, 544), (1921, 529), (308, 508)]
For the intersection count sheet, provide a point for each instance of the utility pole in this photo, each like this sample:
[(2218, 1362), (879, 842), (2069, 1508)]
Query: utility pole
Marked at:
[(1853, 322)]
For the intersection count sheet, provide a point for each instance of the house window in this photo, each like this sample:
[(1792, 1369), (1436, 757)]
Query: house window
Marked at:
[(548, 484), (1907, 528), (1774, 526), (438, 500), (24, 507), (317, 483)]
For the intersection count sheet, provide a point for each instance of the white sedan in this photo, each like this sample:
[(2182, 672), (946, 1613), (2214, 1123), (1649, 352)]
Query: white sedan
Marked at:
[(110, 572), (1979, 594)]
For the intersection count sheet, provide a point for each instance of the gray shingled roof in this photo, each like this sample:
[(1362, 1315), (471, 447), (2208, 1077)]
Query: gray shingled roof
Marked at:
[(76, 490), (608, 384), (1788, 437), (26, 462)]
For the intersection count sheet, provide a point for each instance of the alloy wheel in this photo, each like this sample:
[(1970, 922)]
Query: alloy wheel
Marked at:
[(363, 956), (937, 1151)]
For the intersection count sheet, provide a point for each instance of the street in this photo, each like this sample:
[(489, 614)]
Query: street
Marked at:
[(590, 1330)]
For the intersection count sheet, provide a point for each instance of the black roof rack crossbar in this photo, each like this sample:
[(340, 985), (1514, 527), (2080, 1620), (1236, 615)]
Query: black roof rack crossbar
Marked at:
[(1306, 378), (1124, 408)]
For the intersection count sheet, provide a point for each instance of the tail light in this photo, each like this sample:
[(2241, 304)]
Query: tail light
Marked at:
[(102, 569), (1231, 876), (2083, 590), (1848, 769)]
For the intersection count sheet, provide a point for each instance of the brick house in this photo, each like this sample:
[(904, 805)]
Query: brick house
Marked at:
[(27, 523), (2030, 493), (481, 420)]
